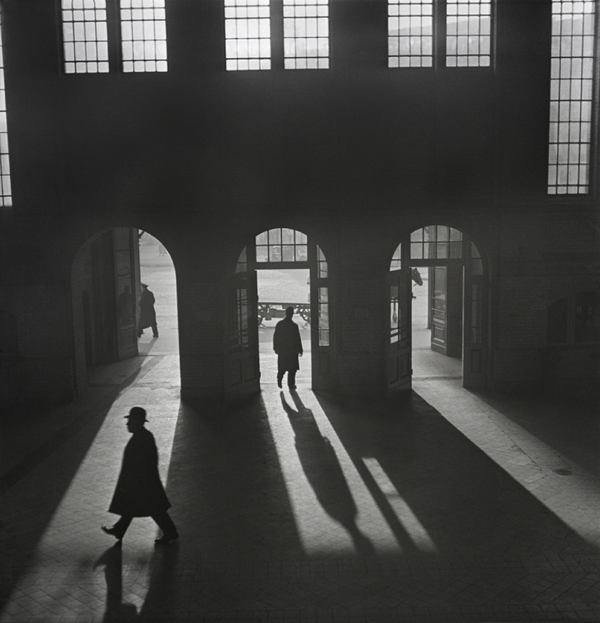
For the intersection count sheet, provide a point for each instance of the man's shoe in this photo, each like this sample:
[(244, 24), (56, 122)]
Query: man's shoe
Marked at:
[(112, 532), (292, 387), (279, 383), (166, 539)]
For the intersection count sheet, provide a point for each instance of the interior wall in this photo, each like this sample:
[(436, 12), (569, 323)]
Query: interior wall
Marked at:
[(357, 155)]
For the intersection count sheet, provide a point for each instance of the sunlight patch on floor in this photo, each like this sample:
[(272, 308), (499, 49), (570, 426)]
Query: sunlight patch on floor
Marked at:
[(334, 511), (531, 462), (67, 538)]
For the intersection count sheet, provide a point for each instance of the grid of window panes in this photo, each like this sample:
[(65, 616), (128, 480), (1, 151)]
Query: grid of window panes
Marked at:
[(5, 186), (85, 36), (247, 34), (240, 335), (395, 312), (281, 245), (468, 33), (306, 34), (410, 33), (143, 35), (436, 242), (323, 311), (571, 94)]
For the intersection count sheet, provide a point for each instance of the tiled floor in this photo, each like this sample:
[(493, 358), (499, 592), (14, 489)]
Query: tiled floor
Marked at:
[(452, 506)]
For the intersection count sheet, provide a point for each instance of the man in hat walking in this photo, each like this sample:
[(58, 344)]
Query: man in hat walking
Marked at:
[(147, 312), (288, 346), (139, 491)]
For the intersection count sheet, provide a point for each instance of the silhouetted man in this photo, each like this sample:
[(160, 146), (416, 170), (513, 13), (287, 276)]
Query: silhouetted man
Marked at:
[(139, 491), (147, 313), (288, 346)]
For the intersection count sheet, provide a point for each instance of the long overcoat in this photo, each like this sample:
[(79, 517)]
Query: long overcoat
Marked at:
[(139, 491), (147, 312), (287, 344)]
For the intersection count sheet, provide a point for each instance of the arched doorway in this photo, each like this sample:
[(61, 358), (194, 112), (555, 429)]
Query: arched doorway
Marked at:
[(106, 278), (277, 249), (449, 269)]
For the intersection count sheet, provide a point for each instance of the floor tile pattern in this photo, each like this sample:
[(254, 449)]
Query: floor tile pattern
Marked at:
[(296, 507)]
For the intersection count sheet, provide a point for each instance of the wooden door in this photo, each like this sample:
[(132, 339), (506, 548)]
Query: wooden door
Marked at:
[(321, 330), (439, 309), (242, 362), (399, 360), (446, 309)]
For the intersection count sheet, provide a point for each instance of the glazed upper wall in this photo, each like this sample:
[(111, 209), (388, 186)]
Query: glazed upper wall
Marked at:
[(354, 136)]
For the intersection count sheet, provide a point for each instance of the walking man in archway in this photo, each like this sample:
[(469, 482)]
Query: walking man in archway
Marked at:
[(288, 346)]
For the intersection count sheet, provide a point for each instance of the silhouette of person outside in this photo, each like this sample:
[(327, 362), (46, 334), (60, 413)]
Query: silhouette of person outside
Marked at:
[(139, 491), (147, 313), (288, 345)]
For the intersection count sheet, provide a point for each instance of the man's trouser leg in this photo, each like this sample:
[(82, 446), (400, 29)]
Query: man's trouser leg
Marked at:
[(292, 379), (120, 527), (165, 523)]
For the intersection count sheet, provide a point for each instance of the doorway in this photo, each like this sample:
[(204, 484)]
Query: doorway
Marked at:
[(436, 322), (277, 290), (285, 256), (438, 309), (106, 275), (158, 273)]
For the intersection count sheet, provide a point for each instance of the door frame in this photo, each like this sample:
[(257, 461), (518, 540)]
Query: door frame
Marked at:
[(476, 292), (322, 368)]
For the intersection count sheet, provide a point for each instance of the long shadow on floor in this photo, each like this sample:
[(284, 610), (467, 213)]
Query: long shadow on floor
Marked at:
[(324, 472), (25, 519), (225, 483), (468, 504), (240, 551), (569, 425)]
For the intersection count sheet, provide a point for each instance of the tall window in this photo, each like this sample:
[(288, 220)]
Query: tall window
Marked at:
[(85, 36), (468, 33), (5, 188), (571, 95), (247, 34), (143, 35), (306, 34), (410, 33)]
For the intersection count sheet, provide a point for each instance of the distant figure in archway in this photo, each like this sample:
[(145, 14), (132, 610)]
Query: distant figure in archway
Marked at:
[(288, 346), (147, 312)]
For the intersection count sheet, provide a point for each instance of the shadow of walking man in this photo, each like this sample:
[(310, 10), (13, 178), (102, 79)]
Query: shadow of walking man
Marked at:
[(116, 610), (324, 472)]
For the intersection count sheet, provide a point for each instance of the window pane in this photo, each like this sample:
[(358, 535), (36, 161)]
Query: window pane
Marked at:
[(306, 34), (571, 94), (247, 35), (410, 33), (143, 35), (5, 185), (468, 29), (89, 32)]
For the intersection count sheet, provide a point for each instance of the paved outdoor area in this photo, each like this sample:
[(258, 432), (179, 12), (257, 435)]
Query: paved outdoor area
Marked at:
[(296, 507)]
